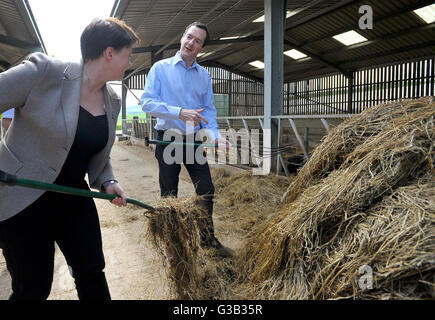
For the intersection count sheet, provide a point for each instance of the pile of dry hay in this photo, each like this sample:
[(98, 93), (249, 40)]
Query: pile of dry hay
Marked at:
[(241, 201), (244, 199), (365, 199)]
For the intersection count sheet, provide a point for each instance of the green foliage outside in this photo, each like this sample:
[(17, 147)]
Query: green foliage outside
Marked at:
[(129, 117)]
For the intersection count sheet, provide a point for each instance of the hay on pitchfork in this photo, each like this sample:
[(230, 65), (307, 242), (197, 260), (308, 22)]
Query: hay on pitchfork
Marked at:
[(174, 231), (242, 200), (351, 205), (194, 273)]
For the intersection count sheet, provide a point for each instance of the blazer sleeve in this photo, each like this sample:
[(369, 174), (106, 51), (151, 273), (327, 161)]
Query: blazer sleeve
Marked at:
[(17, 82), (106, 175)]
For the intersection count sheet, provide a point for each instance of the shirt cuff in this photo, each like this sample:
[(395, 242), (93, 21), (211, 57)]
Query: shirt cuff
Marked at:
[(174, 112)]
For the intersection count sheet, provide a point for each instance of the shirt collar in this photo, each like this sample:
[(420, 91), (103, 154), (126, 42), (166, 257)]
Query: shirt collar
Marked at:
[(177, 59)]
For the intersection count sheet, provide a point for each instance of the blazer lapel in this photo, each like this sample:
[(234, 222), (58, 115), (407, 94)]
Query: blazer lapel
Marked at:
[(71, 87)]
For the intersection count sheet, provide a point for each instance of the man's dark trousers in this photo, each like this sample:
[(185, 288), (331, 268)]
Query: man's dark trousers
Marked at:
[(199, 174)]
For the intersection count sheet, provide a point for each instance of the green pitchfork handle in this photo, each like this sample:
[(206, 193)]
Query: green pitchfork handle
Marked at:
[(185, 143), (182, 143), (11, 180)]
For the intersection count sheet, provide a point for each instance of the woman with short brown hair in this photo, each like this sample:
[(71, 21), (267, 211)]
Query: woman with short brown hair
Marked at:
[(64, 128)]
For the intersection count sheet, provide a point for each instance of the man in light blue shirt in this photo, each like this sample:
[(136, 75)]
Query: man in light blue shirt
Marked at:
[(179, 93), (176, 93)]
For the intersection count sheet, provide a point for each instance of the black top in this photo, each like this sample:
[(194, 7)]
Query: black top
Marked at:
[(91, 137)]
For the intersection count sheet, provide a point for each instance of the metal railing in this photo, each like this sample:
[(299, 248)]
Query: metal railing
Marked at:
[(281, 165), (142, 129), (139, 128)]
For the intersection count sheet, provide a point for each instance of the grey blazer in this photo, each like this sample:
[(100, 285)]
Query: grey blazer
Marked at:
[(46, 95)]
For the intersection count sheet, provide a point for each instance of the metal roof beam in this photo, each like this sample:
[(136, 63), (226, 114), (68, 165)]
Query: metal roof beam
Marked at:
[(241, 24), (261, 27), (4, 65), (214, 56), (147, 49), (177, 38), (228, 68), (336, 66), (389, 36), (114, 12), (26, 11), (368, 57), (129, 74), (138, 70), (20, 44), (155, 49), (4, 27), (238, 40), (166, 28), (258, 29), (307, 52), (392, 52), (217, 54), (173, 46), (291, 43), (415, 6), (321, 13), (314, 56), (147, 15), (234, 6), (244, 61), (313, 70)]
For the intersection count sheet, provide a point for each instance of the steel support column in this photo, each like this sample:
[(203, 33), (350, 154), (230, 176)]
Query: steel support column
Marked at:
[(350, 88), (274, 20), (124, 100)]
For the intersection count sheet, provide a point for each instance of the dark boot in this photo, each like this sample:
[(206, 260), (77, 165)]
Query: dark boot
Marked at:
[(208, 239), (219, 248)]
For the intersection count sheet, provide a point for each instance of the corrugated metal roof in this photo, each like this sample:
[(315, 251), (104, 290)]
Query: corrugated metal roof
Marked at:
[(397, 34), (19, 34)]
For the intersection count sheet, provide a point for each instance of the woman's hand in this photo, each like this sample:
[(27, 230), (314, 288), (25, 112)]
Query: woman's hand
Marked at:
[(121, 200)]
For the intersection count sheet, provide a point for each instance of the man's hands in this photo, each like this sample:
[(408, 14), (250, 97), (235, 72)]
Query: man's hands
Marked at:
[(189, 115)]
